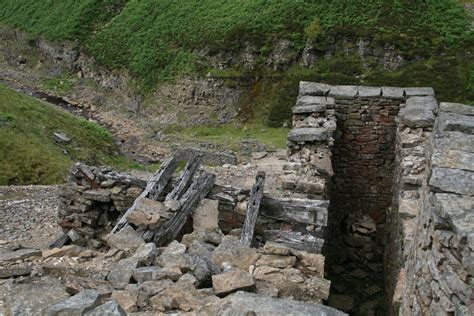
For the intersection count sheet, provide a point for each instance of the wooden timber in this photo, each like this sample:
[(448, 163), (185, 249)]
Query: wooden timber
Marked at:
[(154, 188), (195, 193), (253, 207)]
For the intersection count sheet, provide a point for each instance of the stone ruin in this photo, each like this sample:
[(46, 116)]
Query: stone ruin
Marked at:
[(400, 185), (390, 167), (377, 219)]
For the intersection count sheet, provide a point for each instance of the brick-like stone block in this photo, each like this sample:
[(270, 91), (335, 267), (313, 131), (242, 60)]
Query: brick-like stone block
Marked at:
[(308, 135), (419, 91), (343, 92), (369, 92)]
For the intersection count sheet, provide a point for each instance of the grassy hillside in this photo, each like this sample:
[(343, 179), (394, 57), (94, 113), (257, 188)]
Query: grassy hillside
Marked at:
[(158, 40), (29, 153)]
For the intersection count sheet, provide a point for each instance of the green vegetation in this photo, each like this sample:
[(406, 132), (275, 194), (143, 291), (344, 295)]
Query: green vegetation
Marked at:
[(157, 40), (59, 19), (452, 77), (29, 153), (230, 135), (61, 84)]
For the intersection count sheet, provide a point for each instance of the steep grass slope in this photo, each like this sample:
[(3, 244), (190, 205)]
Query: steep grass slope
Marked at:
[(158, 40), (28, 151)]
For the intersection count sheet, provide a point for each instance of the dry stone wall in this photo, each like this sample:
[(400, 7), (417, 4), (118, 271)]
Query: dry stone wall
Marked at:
[(93, 199), (402, 175), (435, 277)]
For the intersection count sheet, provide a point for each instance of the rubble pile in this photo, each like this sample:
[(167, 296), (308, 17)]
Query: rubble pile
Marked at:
[(200, 274), (92, 200)]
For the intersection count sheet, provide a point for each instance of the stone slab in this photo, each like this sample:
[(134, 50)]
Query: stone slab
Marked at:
[(77, 305), (426, 102), (308, 135), (452, 122), (454, 159), (312, 100), (316, 108), (232, 281), (19, 254), (244, 303), (416, 117), (34, 298), (369, 92), (393, 93), (454, 141), (452, 181), (127, 239), (456, 108), (456, 209), (110, 308), (313, 88), (343, 92), (419, 91)]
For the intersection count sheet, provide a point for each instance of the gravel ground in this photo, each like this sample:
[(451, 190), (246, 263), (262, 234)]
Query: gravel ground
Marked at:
[(28, 215)]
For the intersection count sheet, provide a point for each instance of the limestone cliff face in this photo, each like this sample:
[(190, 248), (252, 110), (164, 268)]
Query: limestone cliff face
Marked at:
[(189, 100)]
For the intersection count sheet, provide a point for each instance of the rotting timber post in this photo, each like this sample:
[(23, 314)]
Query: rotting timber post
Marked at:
[(253, 207)]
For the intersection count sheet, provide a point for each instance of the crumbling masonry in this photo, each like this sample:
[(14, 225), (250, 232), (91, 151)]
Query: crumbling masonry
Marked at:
[(393, 170), (401, 195)]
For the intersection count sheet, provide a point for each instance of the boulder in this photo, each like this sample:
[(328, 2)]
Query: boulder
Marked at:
[(146, 253), (155, 287), (205, 235), (182, 296), (232, 281), (126, 239), (201, 248), (75, 284), (78, 304), (127, 299), (110, 308), (200, 266), (232, 251), (122, 272), (174, 248)]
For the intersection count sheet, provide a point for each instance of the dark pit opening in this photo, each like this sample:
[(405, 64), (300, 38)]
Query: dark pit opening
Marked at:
[(361, 195)]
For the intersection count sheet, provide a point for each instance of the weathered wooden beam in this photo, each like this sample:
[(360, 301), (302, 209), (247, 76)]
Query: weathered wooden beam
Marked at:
[(296, 210), (295, 240), (195, 193), (253, 207), (184, 181), (154, 188)]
